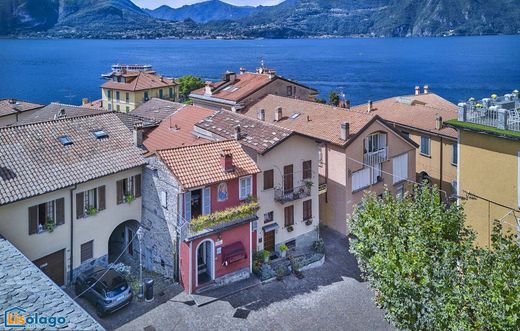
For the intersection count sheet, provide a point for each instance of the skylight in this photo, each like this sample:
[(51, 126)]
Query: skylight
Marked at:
[(294, 116), (100, 134), (65, 140), (230, 88)]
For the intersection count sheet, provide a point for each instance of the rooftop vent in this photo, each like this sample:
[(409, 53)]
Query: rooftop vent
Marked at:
[(278, 114), (100, 134), (261, 115), (65, 140)]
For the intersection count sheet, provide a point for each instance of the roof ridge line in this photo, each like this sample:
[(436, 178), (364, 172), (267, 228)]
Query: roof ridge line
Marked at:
[(192, 146), (54, 120)]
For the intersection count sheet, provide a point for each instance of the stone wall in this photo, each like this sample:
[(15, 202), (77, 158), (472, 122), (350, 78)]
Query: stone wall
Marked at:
[(160, 222)]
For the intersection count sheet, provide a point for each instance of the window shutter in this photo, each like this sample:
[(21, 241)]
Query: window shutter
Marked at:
[(400, 168), (268, 179), (187, 206), (101, 198), (289, 215), (60, 211), (206, 201), (80, 208), (33, 220), (137, 186), (87, 251), (119, 198)]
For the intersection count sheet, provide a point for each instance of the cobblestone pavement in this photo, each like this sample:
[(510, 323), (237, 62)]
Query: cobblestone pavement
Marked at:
[(331, 297)]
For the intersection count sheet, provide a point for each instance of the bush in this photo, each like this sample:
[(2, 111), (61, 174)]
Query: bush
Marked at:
[(266, 272), (319, 246), (227, 215)]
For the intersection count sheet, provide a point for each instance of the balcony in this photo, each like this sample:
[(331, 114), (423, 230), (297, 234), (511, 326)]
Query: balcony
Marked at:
[(296, 193), (322, 187), (376, 157)]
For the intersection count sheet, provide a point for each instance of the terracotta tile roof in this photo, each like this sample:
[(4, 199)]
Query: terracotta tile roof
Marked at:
[(130, 120), (416, 111), (34, 161), (177, 129), (95, 104), (12, 106), (23, 284), (157, 109), (200, 165), (52, 112), (245, 84), (142, 81), (258, 135), (310, 118)]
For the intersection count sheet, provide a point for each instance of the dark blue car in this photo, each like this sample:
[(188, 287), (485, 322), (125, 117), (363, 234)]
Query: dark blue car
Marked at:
[(105, 288)]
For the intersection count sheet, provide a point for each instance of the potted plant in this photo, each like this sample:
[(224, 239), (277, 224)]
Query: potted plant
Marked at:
[(283, 250), (280, 272), (308, 184), (290, 228), (266, 255), (308, 221), (49, 224), (92, 211), (129, 197)]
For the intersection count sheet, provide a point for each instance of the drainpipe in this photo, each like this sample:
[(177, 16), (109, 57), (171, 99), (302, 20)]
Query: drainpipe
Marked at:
[(326, 172), (72, 231), (440, 167)]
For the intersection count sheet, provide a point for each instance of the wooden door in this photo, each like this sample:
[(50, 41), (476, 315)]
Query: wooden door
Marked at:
[(288, 178), (269, 241), (53, 265)]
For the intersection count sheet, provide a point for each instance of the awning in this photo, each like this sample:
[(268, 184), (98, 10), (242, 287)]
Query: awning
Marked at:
[(233, 253), (270, 227)]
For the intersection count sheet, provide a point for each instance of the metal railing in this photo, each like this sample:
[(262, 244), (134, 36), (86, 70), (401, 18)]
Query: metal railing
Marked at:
[(286, 195), (372, 158), (501, 112)]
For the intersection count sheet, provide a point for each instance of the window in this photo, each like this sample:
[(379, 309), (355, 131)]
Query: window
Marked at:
[(160, 93), (307, 169), (268, 179), (454, 154), (90, 202), (400, 168), (52, 212), (118, 108), (399, 191), (109, 94), (117, 96), (375, 142), (127, 97), (288, 178), (289, 91), (65, 140), (245, 187), (268, 217), (127, 109), (87, 251), (100, 134), (170, 92), (145, 96), (109, 106), (128, 188), (361, 179), (289, 216), (307, 210), (222, 192), (425, 145), (164, 199)]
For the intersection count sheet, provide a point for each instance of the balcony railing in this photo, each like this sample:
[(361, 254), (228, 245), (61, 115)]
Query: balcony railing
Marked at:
[(372, 158), (284, 195), (322, 187)]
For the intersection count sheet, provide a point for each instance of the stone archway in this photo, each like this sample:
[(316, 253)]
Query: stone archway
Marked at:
[(123, 244)]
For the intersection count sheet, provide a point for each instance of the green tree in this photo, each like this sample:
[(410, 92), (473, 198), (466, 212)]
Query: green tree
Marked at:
[(188, 84), (333, 98), (427, 274)]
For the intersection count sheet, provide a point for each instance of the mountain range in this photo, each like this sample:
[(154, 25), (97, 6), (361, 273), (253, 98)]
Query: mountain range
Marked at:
[(289, 19)]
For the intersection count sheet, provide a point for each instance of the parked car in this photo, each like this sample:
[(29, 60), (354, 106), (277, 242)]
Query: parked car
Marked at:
[(105, 288)]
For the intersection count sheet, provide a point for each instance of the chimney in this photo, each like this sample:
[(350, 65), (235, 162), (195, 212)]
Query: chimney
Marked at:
[(242, 70), (345, 131), (347, 103), (208, 89), (61, 113), (226, 160), (12, 101), (426, 89), (370, 105), (84, 101), (238, 132), (230, 76), (138, 133), (278, 114), (417, 90), (438, 122), (261, 115)]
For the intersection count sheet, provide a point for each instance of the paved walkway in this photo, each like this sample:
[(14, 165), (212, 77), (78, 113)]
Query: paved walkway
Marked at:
[(328, 298)]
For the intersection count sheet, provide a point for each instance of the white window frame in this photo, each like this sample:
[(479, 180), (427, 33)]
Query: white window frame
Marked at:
[(243, 181)]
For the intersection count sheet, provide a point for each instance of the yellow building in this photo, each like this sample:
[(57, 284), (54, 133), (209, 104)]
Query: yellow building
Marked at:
[(489, 163), (420, 117), (126, 90)]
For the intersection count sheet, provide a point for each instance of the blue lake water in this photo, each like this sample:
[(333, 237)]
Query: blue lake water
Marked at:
[(456, 68)]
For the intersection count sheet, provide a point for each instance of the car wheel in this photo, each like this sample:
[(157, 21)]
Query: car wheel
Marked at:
[(77, 290), (99, 311)]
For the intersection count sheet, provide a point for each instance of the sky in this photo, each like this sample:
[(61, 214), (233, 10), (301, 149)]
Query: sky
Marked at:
[(152, 4)]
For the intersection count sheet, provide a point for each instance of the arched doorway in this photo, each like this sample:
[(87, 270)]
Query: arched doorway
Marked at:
[(205, 262), (424, 177), (123, 244)]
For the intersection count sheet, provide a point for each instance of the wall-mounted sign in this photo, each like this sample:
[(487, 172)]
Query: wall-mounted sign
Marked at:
[(219, 250)]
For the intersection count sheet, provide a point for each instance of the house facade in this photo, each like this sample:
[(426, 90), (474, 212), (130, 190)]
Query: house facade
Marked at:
[(288, 183), (12, 111), (238, 91), (358, 152), (489, 163), (58, 206), (420, 117), (126, 90), (200, 205)]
